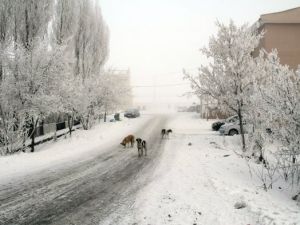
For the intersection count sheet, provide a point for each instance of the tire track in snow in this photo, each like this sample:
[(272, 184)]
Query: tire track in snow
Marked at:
[(81, 193)]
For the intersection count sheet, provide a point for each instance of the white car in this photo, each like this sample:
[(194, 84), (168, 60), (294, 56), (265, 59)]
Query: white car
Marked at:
[(232, 128)]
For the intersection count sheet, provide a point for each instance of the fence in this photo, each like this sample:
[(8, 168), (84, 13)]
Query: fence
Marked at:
[(43, 133), (52, 128)]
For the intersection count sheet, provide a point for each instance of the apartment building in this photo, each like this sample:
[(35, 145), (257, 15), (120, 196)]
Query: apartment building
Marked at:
[(282, 31)]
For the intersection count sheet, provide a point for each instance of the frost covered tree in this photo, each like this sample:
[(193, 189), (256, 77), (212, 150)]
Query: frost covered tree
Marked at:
[(36, 83), (11, 117), (81, 28), (5, 39), (52, 54), (116, 91), (32, 21), (65, 21), (31, 71), (64, 26), (278, 107), (32, 67), (98, 95), (91, 40), (229, 75), (90, 54)]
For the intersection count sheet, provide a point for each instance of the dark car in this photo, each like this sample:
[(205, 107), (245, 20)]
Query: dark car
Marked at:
[(132, 113), (217, 125)]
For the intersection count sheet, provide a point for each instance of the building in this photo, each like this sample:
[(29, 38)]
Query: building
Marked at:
[(282, 31)]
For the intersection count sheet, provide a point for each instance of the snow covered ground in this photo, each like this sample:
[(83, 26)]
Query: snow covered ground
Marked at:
[(85, 143), (197, 180), (200, 184)]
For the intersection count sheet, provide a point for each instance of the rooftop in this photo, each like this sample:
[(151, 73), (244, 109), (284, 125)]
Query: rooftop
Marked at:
[(287, 16)]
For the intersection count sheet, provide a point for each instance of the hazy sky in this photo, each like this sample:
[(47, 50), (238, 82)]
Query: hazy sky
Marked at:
[(156, 39)]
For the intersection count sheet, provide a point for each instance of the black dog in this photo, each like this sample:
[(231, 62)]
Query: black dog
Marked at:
[(141, 146), (168, 132), (163, 133)]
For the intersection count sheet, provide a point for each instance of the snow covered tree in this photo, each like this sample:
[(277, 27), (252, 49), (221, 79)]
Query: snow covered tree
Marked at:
[(81, 27), (90, 53), (65, 21), (229, 75), (52, 54), (64, 26), (113, 93), (278, 106), (12, 119), (91, 40), (31, 71), (100, 95), (36, 82), (118, 90), (5, 10), (32, 64)]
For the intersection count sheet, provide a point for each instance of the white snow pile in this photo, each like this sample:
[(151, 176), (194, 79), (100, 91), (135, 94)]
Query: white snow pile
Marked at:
[(83, 144), (207, 183)]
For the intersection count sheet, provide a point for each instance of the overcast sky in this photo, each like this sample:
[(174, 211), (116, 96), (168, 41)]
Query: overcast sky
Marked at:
[(156, 39)]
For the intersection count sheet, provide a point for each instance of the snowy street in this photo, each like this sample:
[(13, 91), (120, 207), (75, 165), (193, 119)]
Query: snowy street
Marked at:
[(149, 112), (83, 191), (191, 178)]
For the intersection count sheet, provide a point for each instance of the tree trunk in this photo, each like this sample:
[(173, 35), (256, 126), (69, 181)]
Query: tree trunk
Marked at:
[(85, 122), (26, 30), (32, 141), (32, 133), (70, 124), (242, 129), (105, 116), (1, 71)]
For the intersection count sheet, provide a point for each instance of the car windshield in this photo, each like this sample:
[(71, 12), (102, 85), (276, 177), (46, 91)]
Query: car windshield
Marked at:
[(231, 119)]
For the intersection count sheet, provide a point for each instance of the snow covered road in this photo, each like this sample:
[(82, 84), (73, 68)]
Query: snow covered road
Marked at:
[(84, 192), (192, 178), (198, 181)]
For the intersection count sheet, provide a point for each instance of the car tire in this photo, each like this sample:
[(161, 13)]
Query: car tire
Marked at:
[(233, 132)]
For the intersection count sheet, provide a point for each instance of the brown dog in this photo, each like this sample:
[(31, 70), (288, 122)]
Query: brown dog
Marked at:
[(128, 140)]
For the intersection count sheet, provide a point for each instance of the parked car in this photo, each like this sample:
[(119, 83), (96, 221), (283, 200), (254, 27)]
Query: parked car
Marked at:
[(216, 125), (232, 128), (132, 113)]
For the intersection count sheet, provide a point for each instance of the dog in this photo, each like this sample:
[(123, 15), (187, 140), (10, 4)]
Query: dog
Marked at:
[(141, 146), (163, 133), (128, 140), (168, 132)]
